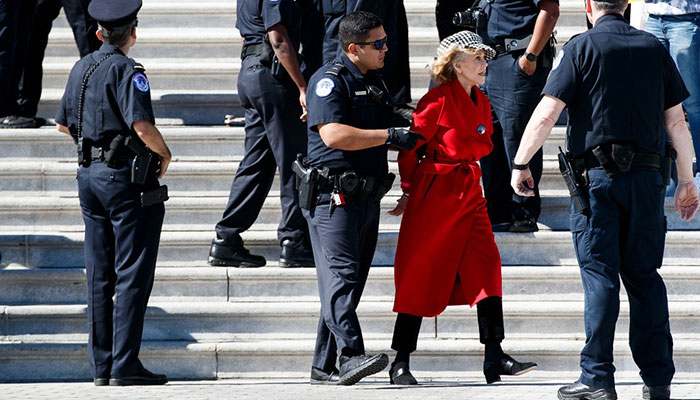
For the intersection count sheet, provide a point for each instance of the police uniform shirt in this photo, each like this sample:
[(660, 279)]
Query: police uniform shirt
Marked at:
[(255, 17), (118, 94), (616, 82), (341, 95), (509, 19)]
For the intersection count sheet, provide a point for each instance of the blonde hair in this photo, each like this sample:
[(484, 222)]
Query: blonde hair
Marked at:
[(442, 70)]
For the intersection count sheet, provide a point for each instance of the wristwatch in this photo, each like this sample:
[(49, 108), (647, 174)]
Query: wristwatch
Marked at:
[(520, 166), (530, 56)]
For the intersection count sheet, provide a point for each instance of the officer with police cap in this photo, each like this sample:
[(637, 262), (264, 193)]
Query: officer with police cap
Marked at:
[(107, 109), (340, 189), (272, 91), (520, 31), (616, 169)]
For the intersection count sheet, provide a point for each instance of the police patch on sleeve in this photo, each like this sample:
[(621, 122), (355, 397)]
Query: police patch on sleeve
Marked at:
[(324, 87), (141, 82), (557, 60)]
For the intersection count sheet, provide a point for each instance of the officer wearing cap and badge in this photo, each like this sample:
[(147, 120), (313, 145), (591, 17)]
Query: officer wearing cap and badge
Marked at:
[(340, 187), (272, 90), (616, 169), (107, 109), (520, 31)]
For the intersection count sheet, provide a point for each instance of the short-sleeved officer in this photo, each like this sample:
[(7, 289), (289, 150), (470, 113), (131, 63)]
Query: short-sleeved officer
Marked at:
[(622, 89), (106, 107), (519, 31), (272, 91), (349, 113)]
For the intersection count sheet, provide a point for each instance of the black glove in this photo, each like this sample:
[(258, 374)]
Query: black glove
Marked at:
[(403, 138)]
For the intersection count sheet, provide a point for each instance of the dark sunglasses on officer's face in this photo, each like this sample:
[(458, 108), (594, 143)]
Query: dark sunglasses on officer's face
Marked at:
[(378, 44)]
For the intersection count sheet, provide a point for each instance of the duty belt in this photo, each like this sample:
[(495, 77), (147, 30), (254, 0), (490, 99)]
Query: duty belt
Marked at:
[(364, 187), (251, 50), (647, 161)]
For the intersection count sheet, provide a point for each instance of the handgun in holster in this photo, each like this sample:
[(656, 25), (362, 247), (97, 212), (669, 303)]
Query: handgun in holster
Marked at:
[(667, 163), (141, 165), (110, 154), (574, 182), (306, 180)]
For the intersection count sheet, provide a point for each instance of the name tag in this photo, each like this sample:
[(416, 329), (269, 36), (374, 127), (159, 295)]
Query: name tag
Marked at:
[(361, 93)]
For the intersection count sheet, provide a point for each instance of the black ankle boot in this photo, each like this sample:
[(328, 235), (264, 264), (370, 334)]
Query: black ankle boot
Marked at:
[(505, 365)]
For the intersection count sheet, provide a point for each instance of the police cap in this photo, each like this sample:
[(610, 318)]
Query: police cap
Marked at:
[(111, 13)]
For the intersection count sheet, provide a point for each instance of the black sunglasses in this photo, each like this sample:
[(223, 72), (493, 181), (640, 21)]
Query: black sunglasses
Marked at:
[(378, 44)]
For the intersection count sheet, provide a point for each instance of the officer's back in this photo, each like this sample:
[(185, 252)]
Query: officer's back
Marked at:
[(622, 88)]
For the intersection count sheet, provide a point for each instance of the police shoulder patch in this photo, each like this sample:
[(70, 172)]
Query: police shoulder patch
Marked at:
[(324, 87), (141, 82), (557, 60)]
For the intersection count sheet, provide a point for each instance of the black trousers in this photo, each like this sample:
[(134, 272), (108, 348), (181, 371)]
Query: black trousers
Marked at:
[(514, 96), (15, 30), (121, 247), (274, 135), (84, 28), (347, 236), (444, 11), (489, 313)]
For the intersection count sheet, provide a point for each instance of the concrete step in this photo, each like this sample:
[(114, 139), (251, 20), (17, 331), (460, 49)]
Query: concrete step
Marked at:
[(60, 361), (173, 107), (60, 248), (206, 321), (184, 141), (47, 209), (162, 16), (198, 282)]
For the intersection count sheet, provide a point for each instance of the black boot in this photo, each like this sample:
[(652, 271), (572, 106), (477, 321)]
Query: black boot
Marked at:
[(496, 362), (295, 256)]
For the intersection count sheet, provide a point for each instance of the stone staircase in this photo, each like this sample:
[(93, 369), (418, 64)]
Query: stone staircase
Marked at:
[(208, 323)]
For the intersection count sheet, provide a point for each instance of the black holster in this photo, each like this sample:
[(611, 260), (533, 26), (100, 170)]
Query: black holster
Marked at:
[(84, 152), (667, 163), (306, 182), (617, 160)]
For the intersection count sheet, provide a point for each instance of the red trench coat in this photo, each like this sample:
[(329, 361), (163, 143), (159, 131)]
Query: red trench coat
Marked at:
[(446, 252)]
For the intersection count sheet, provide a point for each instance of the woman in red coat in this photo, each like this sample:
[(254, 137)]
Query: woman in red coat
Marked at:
[(446, 253)]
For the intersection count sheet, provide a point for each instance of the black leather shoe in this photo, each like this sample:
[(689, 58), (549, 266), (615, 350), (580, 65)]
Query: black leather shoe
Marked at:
[(352, 369), (225, 255), (321, 377), (400, 374), (145, 377), (507, 365), (656, 392), (298, 256), (526, 224), (578, 390), (19, 122), (101, 381)]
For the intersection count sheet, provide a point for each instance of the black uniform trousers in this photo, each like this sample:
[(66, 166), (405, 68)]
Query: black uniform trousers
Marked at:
[(84, 28), (15, 31), (513, 96), (121, 246), (274, 135), (344, 239), (489, 314), (624, 238)]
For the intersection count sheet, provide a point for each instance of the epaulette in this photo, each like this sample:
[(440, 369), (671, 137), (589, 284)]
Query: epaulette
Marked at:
[(335, 68), (139, 67)]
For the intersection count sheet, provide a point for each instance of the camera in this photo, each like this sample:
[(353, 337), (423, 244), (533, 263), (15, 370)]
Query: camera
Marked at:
[(471, 18)]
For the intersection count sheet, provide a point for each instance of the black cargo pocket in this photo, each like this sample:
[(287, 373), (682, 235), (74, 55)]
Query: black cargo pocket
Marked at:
[(579, 233)]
